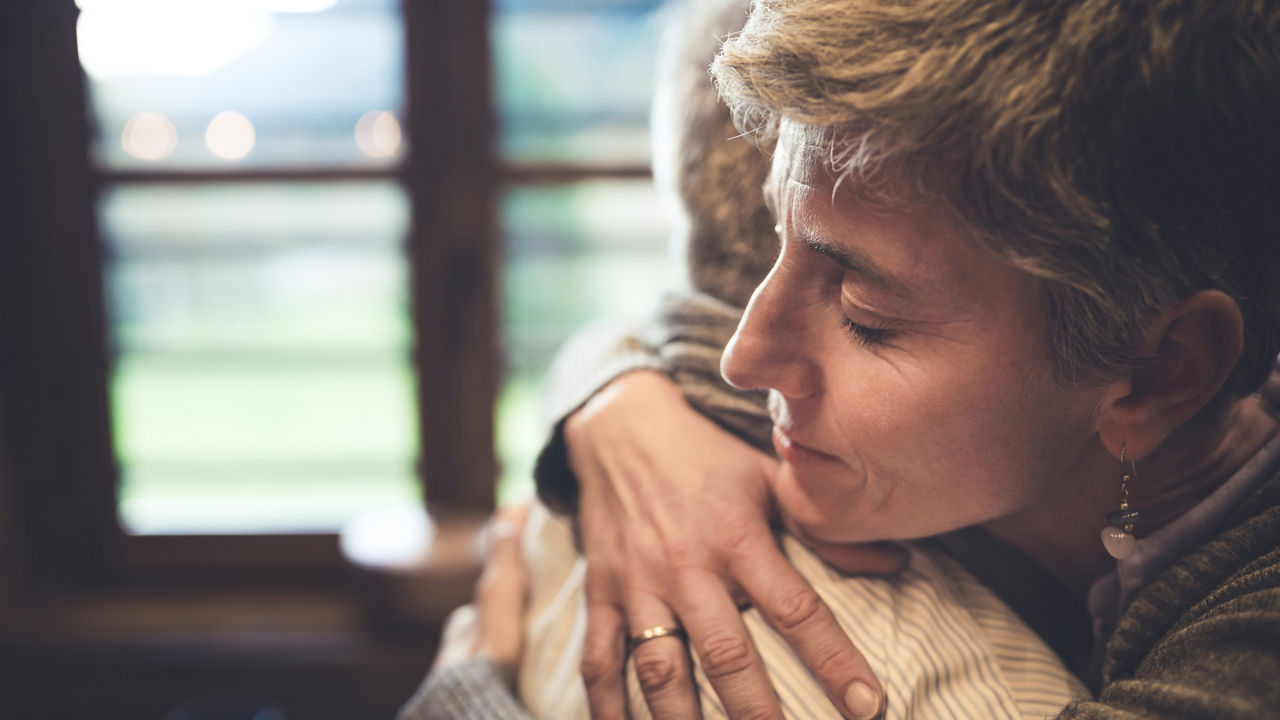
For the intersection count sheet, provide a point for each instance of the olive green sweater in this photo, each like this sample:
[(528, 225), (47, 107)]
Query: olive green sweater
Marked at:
[(1202, 640)]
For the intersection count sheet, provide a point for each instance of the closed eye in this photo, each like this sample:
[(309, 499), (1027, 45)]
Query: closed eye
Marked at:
[(864, 335)]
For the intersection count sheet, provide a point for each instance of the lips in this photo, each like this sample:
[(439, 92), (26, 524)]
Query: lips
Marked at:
[(795, 452)]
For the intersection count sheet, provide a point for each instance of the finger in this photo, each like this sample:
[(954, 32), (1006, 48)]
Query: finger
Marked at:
[(501, 592), (725, 649), (661, 664), (602, 653), (794, 609), (503, 563), (500, 599), (507, 522)]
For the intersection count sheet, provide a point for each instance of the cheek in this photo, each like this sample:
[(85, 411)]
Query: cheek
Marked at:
[(995, 453), (963, 441), (939, 434)]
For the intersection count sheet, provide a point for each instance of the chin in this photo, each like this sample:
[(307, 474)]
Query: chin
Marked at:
[(823, 506)]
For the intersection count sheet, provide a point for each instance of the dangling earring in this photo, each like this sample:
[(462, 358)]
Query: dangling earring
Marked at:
[(1117, 537)]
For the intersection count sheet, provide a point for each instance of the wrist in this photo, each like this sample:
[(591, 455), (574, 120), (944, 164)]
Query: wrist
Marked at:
[(621, 391)]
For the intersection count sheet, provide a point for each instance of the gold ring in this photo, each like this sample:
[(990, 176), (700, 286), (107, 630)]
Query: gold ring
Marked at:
[(654, 633)]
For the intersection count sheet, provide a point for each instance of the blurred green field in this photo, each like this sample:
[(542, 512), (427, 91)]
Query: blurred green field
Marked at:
[(272, 391)]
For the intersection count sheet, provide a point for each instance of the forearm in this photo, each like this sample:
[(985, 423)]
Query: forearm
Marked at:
[(590, 359), (691, 332), (685, 340)]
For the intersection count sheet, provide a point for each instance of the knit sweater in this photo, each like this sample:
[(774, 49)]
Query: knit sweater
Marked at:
[(1202, 640)]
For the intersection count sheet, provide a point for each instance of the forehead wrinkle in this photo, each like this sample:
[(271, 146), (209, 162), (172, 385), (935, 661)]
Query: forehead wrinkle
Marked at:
[(927, 294), (859, 264), (798, 180), (817, 236)]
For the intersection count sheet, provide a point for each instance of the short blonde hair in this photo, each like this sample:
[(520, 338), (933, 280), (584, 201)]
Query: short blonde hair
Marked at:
[(1125, 153)]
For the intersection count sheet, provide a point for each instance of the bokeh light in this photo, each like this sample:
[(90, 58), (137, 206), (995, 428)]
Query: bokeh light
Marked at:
[(388, 537), (190, 38), (378, 134), (166, 40), (149, 136), (230, 135)]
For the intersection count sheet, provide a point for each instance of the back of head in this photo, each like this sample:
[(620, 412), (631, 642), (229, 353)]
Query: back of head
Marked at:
[(1125, 152), (701, 161)]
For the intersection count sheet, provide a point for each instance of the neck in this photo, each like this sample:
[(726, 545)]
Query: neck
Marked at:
[(1060, 530)]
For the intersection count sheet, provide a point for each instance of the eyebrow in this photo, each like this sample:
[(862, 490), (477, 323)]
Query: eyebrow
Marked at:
[(858, 264)]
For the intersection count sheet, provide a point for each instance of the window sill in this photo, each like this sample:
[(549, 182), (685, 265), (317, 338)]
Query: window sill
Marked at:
[(421, 576), (321, 649)]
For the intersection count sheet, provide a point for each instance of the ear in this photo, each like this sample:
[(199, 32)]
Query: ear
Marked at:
[(1190, 350)]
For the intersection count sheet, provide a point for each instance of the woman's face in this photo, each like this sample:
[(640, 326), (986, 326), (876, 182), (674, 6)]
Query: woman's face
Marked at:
[(911, 389)]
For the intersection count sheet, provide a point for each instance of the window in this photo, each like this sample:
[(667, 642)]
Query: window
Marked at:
[(298, 302), (186, 295), (248, 304), (578, 211), (259, 326)]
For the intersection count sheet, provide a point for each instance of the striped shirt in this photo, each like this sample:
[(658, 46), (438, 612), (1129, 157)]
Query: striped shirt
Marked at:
[(942, 644)]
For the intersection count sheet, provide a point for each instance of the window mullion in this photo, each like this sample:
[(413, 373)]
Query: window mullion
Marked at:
[(452, 247)]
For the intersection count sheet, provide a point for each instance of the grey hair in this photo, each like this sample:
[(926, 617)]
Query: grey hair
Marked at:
[(706, 170)]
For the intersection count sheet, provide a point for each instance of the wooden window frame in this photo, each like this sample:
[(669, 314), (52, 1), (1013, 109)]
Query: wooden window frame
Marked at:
[(81, 600), (85, 603), (57, 463)]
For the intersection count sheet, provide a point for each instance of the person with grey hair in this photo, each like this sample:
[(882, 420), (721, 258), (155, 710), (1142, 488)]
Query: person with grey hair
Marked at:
[(1026, 248)]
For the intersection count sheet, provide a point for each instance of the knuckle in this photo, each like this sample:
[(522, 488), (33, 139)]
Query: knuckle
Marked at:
[(733, 534), (725, 655), (679, 556), (599, 582), (656, 672), (656, 552), (797, 607), (831, 665), (598, 665)]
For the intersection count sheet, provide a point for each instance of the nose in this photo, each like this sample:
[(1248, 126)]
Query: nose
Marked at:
[(770, 348)]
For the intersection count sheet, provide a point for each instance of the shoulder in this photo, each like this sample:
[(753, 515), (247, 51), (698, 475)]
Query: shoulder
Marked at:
[(1241, 561), (944, 644), (1216, 608), (472, 689)]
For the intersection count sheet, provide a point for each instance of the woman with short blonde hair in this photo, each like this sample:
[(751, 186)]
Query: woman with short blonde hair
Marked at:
[(1027, 286)]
